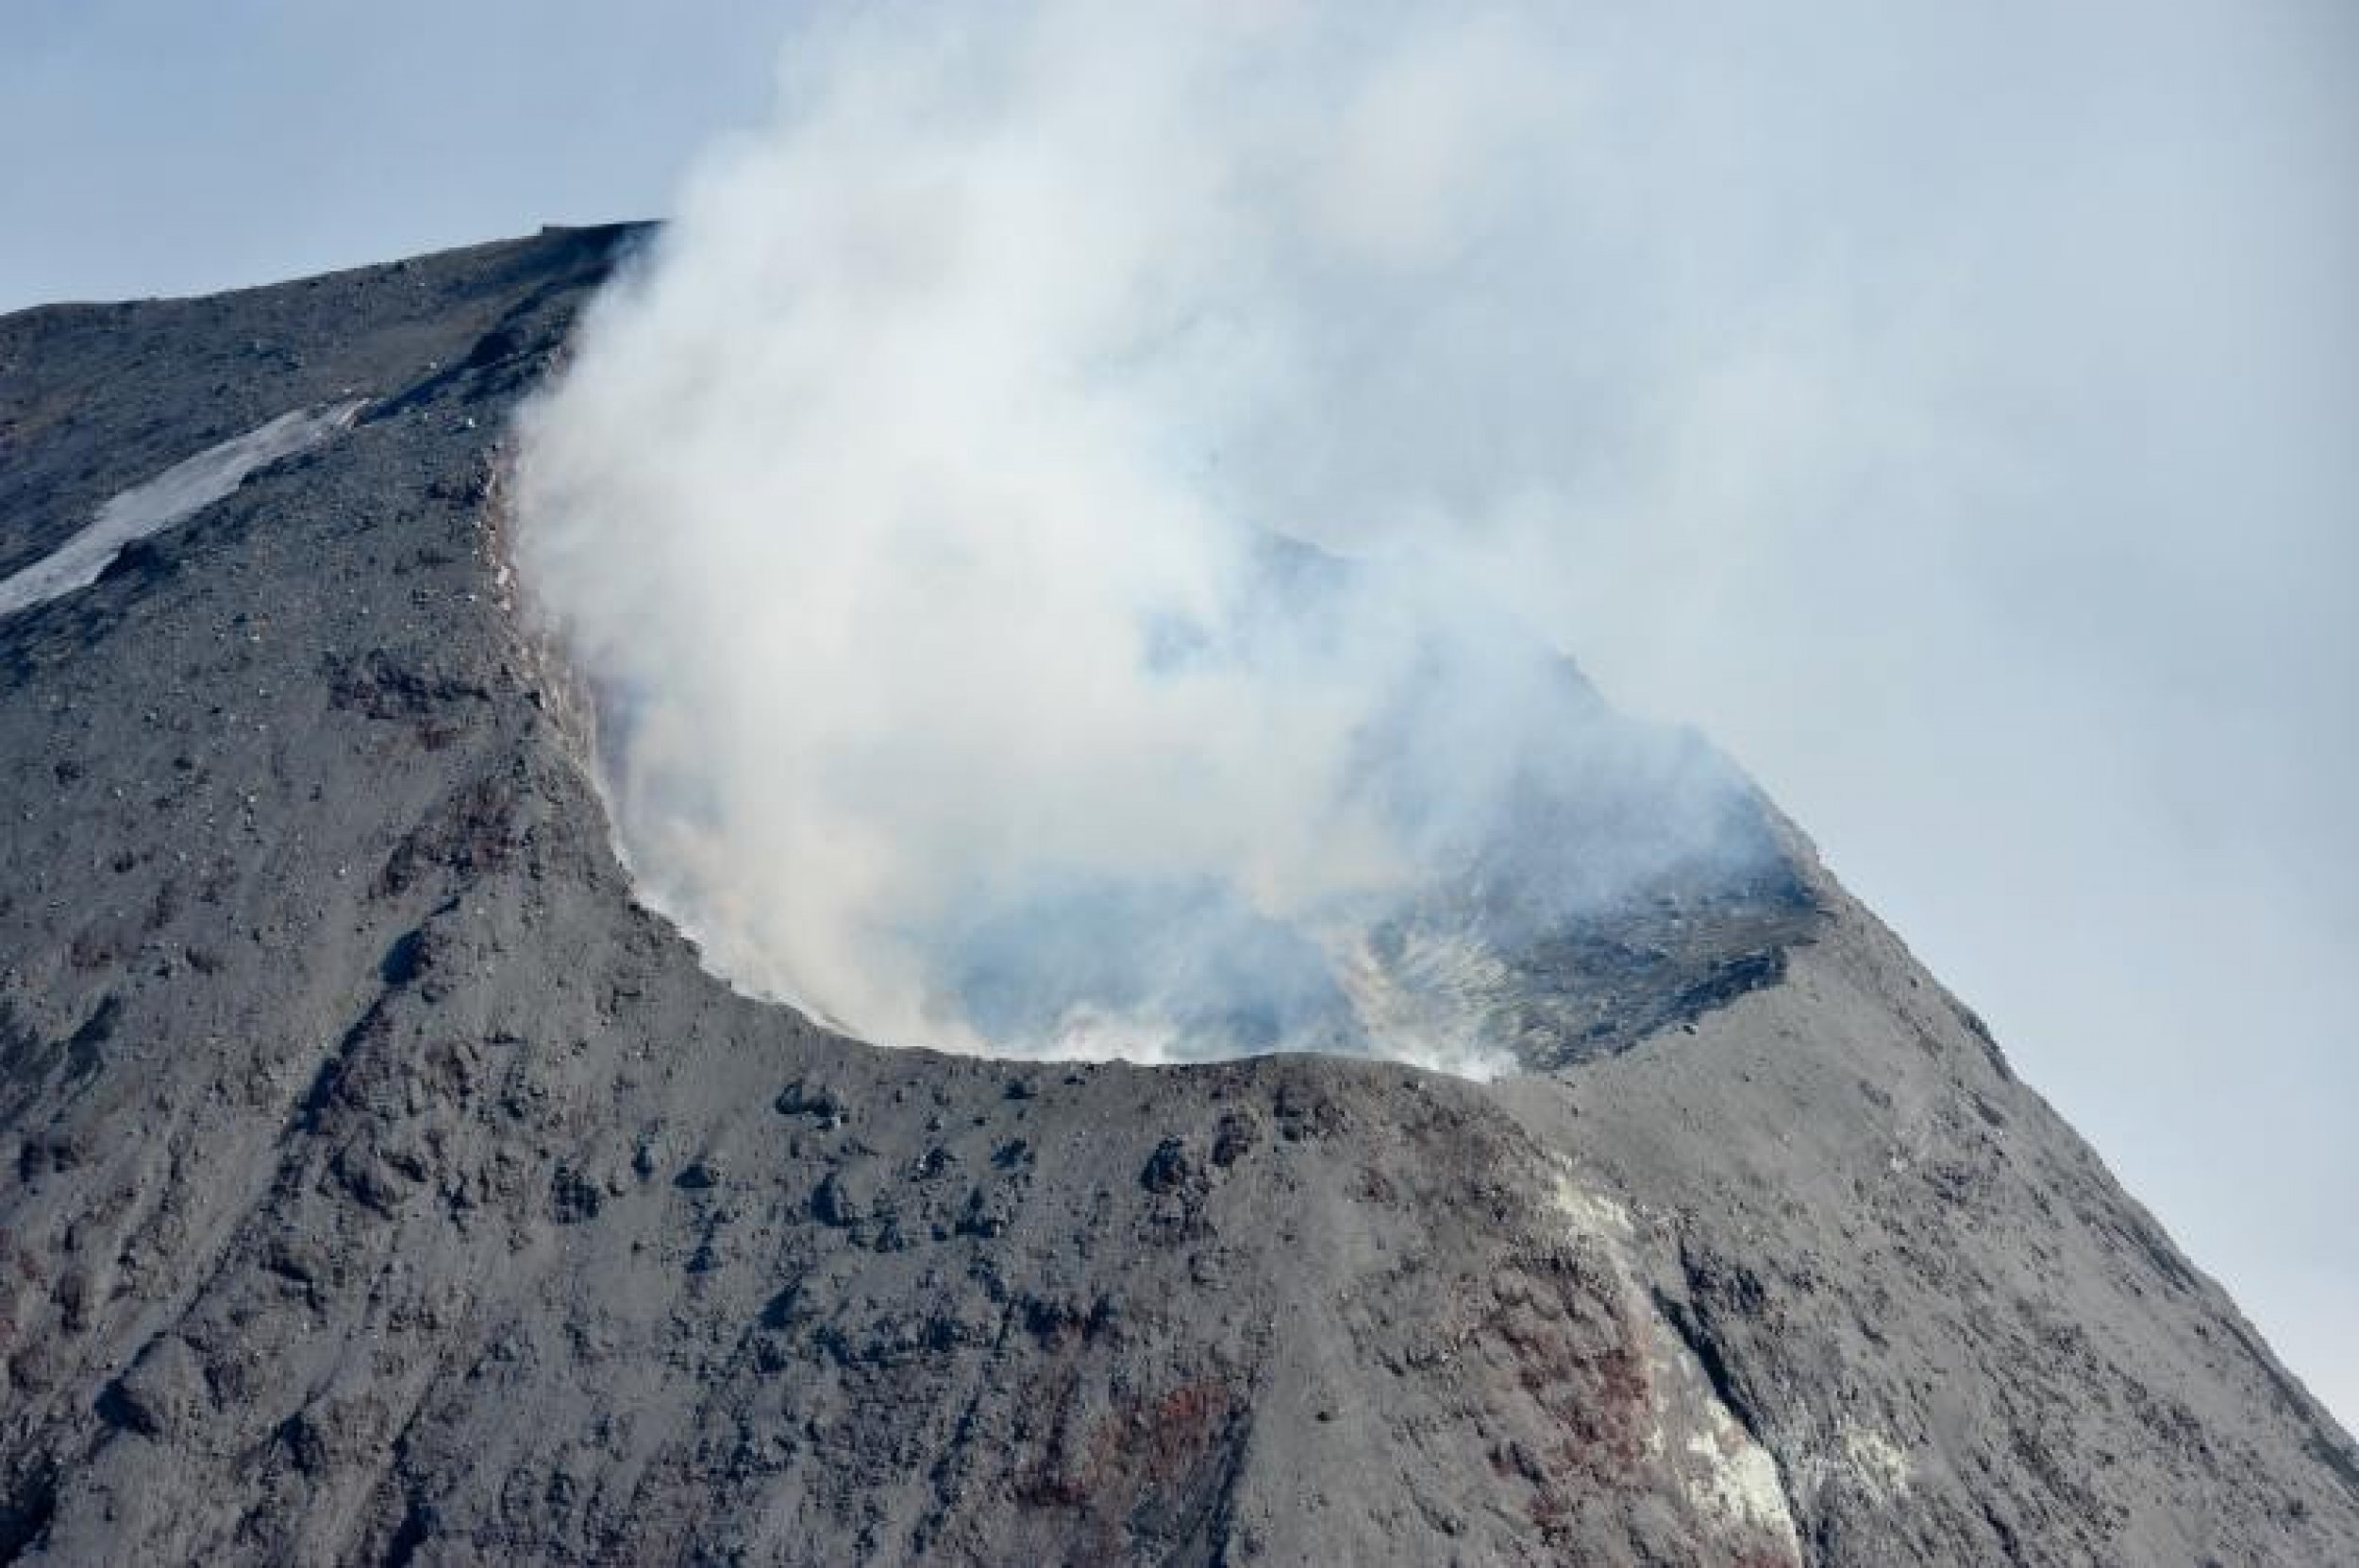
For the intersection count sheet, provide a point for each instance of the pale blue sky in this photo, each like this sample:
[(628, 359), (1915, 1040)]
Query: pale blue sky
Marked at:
[(166, 147), (2097, 757)]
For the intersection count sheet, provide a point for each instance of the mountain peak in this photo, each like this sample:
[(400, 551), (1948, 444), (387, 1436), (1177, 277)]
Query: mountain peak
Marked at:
[(387, 1181)]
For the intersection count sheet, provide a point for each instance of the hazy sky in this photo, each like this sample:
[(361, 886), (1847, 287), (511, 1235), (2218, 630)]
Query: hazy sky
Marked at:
[(2008, 528)]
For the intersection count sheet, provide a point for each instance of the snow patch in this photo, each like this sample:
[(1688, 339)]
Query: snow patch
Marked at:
[(1727, 1478), (1595, 1214), (1879, 1464), (177, 493), (1737, 1481), (1865, 1457)]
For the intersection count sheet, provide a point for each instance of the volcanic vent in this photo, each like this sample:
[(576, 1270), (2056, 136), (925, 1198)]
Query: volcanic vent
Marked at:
[(963, 515)]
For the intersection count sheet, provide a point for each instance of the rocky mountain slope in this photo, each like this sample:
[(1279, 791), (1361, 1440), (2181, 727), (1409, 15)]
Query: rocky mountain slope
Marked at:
[(380, 1183)]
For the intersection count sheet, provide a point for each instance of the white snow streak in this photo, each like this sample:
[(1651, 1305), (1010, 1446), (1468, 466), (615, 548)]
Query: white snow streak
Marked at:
[(172, 496)]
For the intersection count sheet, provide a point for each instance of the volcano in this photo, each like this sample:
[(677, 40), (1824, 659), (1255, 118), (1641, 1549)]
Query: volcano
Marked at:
[(382, 1180)]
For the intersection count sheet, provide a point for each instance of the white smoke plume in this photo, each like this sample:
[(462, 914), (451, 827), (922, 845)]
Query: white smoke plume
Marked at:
[(1040, 520)]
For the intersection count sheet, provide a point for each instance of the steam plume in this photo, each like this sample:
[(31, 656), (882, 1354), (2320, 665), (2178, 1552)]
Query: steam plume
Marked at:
[(1028, 524)]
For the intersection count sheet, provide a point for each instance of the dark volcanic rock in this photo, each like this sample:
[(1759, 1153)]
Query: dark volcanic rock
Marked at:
[(378, 1182)]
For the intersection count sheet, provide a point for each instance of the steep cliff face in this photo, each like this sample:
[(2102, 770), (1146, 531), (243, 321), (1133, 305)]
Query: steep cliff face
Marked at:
[(378, 1182)]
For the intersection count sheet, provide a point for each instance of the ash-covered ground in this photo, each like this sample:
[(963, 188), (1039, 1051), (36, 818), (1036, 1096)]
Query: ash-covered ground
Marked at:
[(380, 1182)]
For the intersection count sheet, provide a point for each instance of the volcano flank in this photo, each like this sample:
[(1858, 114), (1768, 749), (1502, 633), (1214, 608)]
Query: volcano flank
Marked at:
[(383, 1179)]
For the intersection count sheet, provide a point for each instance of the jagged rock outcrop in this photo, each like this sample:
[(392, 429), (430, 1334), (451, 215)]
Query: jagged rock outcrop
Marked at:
[(380, 1183)]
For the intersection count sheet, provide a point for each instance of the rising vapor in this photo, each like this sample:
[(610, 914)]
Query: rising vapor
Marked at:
[(1034, 525)]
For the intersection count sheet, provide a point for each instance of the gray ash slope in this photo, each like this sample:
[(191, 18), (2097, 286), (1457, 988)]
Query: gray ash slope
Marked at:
[(380, 1183)]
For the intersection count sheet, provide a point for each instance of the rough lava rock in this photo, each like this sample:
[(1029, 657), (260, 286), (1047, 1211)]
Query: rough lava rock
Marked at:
[(380, 1183)]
